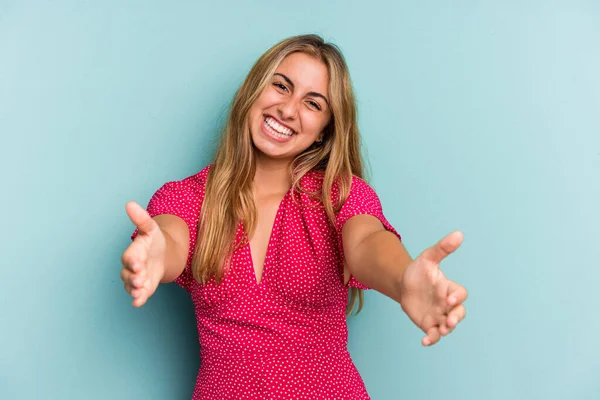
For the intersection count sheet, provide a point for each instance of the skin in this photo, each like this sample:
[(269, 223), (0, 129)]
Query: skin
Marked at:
[(297, 98)]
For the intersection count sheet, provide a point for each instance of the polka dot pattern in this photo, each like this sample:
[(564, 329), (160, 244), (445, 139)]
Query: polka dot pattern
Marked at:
[(285, 337)]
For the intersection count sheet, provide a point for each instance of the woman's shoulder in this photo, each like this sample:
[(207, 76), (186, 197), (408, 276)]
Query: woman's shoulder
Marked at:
[(313, 180), (343, 193), (194, 181), (200, 177), (189, 187)]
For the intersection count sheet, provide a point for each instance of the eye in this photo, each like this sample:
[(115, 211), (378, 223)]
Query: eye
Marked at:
[(280, 86), (314, 105)]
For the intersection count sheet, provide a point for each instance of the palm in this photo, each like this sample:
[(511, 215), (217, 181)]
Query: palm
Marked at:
[(429, 299), (143, 260), (155, 244)]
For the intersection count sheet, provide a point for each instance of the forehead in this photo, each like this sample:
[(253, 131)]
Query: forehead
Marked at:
[(306, 72)]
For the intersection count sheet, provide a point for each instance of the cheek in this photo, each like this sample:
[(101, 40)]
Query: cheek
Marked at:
[(267, 98), (315, 124), (264, 102), (257, 110)]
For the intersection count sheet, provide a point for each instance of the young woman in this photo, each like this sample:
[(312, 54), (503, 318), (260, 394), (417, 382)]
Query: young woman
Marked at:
[(275, 240)]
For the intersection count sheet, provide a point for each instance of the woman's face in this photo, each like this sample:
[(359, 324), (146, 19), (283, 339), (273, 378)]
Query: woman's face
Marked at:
[(292, 111)]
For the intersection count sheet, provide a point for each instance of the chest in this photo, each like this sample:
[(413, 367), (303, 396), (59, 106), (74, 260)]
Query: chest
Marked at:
[(267, 210), (293, 254)]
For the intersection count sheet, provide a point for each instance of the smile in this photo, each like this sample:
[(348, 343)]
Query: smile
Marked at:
[(277, 130)]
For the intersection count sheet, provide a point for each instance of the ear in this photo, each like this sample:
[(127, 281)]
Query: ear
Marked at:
[(319, 138)]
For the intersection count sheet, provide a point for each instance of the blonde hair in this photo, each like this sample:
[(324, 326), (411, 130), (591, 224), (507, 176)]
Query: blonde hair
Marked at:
[(229, 196)]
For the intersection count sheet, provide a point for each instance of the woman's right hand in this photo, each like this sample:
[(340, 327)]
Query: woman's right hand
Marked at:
[(144, 260)]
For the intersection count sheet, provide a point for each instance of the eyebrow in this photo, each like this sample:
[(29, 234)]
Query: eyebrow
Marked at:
[(314, 94)]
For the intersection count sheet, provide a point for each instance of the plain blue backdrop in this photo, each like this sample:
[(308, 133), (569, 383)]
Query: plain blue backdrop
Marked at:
[(478, 116)]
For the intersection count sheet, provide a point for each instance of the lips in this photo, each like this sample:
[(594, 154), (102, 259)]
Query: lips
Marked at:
[(277, 127), (274, 131)]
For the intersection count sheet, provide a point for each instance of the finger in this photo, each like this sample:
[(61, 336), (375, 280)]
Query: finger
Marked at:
[(442, 287), (140, 217), (135, 256), (140, 300), (443, 248), (133, 279), (128, 287), (125, 275), (137, 292), (433, 336), (450, 322), (442, 317), (444, 330), (456, 315), (457, 294), (138, 281)]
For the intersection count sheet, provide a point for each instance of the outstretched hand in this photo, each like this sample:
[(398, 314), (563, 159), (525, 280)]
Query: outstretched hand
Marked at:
[(143, 260), (433, 302)]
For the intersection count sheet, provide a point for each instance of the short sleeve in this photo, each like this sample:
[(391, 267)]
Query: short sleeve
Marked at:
[(361, 200), (184, 200)]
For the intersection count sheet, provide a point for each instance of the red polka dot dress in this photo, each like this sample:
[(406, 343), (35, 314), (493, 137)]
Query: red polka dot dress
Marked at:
[(285, 337)]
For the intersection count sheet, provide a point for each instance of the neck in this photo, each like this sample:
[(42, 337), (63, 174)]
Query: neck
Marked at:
[(272, 176)]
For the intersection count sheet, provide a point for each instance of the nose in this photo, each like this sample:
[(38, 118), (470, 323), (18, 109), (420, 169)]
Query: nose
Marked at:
[(288, 108)]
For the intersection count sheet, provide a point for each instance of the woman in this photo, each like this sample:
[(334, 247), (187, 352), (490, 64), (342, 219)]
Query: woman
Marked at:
[(272, 237)]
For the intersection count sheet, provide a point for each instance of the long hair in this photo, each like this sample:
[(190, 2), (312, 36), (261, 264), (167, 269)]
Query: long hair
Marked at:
[(229, 196)]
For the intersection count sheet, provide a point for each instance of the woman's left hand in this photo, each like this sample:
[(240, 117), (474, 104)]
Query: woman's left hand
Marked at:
[(433, 302)]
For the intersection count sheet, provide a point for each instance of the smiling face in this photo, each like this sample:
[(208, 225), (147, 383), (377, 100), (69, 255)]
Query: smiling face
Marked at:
[(293, 110)]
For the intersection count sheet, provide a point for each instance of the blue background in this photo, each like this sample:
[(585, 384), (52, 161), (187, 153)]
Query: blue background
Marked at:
[(478, 116)]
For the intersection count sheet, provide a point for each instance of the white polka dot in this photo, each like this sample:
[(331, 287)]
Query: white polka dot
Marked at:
[(286, 337)]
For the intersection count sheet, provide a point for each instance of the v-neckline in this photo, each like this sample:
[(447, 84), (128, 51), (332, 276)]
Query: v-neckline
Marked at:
[(264, 266)]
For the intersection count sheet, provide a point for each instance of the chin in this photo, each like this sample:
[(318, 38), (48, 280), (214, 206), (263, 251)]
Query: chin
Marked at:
[(270, 153)]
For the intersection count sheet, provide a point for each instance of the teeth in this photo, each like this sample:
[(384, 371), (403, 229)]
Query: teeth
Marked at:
[(277, 128)]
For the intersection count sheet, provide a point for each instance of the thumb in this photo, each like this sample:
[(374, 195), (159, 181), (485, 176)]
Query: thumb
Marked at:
[(140, 217), (443, 248)]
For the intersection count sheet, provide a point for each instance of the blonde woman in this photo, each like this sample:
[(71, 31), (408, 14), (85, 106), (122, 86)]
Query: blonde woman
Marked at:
[(277, 238)]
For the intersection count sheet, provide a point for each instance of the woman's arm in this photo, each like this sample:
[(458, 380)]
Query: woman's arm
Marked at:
[(378, 260), (177, 238), (374, 256)]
